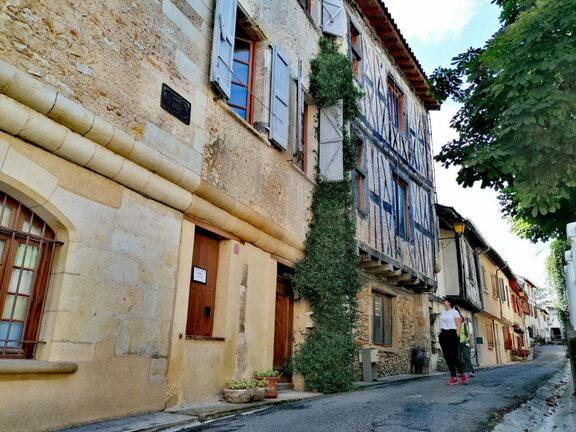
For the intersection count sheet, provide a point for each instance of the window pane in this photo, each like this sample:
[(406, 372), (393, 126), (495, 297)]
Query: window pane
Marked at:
[(15, 334), (17, 303), (377, 319), (2, 243), (6, 215), (401, 210), (240, 112), (242, 50), (35, 229), (26, 256), (388, 321), (239, 95), (240, 72), (21, 281)]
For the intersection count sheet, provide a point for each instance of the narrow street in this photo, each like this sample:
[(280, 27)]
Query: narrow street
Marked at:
[(424, 405)]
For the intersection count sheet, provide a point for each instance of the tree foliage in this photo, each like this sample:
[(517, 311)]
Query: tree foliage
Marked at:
[(517, 122), (329, 276)]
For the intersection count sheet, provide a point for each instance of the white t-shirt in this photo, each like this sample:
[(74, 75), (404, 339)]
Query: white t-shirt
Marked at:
[(448, 319)]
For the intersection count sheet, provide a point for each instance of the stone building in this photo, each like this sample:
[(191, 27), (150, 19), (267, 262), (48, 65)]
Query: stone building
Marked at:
[(157, 161), (394, 188)]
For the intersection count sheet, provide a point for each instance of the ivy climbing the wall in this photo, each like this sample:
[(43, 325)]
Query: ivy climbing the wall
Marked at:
[(329, 276)]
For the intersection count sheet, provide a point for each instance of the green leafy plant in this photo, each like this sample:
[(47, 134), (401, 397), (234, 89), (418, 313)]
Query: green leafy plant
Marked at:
[(329, 276), (270, 373), (246, 384), (556, 278)]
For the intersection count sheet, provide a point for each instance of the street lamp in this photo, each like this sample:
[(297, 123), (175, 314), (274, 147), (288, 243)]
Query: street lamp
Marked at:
[(459, 226)]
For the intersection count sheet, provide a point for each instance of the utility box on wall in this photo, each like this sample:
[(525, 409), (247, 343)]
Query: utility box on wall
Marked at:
[(369, 359)]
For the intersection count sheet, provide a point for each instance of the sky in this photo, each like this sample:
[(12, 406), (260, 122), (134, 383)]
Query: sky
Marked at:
[(438, 30)]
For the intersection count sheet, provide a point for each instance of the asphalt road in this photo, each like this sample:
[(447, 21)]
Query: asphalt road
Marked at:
[(424, 405)]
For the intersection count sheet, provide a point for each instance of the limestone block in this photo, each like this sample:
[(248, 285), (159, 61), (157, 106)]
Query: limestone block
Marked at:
[(31, 92), (158, 370), (76, 149), (145, 156), (7, 75), (105, 162), (100, 132), (87, 328), (167, 192), (41, 131), (169, 169), (71, 115), (133, 176), (121, 142), (38, 180), (72, 351), (13, 116), (189, 181), (143, 337)]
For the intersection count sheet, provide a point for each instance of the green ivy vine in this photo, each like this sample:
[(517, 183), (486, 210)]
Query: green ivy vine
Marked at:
[(329, 276), (556, 277)]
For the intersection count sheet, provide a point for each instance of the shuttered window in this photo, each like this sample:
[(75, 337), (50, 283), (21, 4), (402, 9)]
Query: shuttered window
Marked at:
[(360, 176), (223, 46), (26, 250), (494, 285), (306, 4), (301, 157), (490, 335), (242, 75), (279, 99), (395, 104), (331, 161), (401, 207), (355, 41), (484, 282), (382, 322), (202, 296), (507, 338), (333, 21)]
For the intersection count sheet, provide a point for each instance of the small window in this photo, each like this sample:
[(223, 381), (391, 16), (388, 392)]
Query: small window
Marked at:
[(395, 105), (301, 158), (241, 95), (355, 40), (484, 285), (26, 249), (202, 297), (360, 175), (507, 338), (494, 285), (382, 323), (401, 207)]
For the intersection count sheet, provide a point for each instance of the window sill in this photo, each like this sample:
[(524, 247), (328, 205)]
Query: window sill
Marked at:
[(18, 367), (386, 349), (206, 338)]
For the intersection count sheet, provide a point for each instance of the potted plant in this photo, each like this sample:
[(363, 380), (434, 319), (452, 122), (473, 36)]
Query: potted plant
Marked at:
[(244, 391), (271, 378)]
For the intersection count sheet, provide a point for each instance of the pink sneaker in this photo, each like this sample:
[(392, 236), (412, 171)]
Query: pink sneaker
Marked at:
[(452, 381), (464, 379)]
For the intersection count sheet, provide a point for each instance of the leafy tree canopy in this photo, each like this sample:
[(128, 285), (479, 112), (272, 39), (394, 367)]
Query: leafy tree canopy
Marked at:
[(517, 123)]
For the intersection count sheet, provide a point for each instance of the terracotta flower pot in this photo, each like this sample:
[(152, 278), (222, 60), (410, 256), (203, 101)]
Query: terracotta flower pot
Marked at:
[(272, 386)]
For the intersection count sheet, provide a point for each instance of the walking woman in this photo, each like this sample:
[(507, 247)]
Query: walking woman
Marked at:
[(450, 322)]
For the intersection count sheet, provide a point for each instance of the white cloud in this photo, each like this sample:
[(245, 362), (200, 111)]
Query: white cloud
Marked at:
[(432, 21)]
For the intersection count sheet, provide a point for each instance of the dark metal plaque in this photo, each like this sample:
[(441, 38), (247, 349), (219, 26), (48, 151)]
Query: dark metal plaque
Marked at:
[(175, 104)]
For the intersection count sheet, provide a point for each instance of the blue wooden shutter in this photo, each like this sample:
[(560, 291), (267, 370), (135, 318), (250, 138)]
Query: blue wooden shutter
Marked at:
[(279, 98), (333, 17), (223, 45), (331, 139)]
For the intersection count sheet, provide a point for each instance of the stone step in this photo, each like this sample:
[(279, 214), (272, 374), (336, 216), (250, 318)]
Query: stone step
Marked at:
[(283, 386)]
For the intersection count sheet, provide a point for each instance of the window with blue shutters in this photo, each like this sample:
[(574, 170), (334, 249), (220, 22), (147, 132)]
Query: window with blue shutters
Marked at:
[(223, 45), (242, 74), (279, 99), (333, 19)]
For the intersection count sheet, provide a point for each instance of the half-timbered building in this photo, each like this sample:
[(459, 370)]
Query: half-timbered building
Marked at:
[(394, 187)]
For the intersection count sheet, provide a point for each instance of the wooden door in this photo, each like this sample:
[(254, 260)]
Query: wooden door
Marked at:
[(283, 323), (203, 284)]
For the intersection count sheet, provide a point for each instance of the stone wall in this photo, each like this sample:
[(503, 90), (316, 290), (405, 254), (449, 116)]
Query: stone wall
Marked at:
[(395, 359)]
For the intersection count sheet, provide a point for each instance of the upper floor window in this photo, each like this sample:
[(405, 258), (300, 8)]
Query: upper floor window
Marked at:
[(301, 156), (360, 175), (26, 250), (395, 104), (355, 40), (242, 71), (401, 206), (494, 285)]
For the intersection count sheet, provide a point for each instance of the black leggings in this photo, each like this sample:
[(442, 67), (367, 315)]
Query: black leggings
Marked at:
[(449, 342)]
